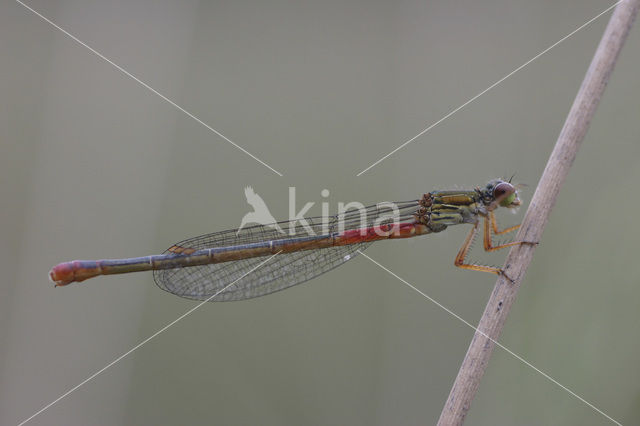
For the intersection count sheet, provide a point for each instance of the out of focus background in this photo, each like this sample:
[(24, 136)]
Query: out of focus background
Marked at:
[(94, 165)]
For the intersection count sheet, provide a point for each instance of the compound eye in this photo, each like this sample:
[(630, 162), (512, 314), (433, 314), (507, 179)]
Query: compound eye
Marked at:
[(503, 188)]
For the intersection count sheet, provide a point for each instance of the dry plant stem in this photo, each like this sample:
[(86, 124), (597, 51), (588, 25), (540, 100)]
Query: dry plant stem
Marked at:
[(504, 293)]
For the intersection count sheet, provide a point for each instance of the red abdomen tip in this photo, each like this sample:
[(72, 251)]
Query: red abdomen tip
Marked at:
[(62, 274), (76, 270)]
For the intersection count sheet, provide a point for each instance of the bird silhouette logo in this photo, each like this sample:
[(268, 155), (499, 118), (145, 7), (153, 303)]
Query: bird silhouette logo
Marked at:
[(260, 214)]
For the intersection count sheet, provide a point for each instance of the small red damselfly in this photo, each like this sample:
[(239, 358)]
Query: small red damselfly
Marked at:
[(220, 266)]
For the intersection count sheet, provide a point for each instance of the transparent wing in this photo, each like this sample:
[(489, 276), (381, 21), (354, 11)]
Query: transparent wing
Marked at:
[(283, 271)]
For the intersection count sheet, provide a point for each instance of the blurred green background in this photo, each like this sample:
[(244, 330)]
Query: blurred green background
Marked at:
[(93, 165)]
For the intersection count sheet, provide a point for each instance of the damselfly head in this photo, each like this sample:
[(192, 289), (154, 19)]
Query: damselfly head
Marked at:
[(502, 193)]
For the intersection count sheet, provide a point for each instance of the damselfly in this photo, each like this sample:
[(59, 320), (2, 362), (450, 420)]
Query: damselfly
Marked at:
[(219, 263)]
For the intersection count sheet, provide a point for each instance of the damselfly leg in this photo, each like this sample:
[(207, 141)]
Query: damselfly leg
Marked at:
[(490, 224)]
